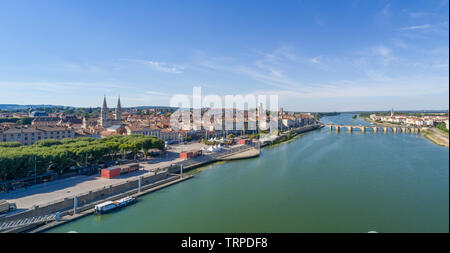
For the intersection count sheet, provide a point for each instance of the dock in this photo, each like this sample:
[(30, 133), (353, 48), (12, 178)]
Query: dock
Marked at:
[(89, 209)]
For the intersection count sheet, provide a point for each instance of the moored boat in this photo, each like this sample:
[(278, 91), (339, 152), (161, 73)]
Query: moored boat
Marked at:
[(112, 205)]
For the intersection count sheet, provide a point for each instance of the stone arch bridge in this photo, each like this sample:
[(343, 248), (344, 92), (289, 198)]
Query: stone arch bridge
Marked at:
[(375, 129)]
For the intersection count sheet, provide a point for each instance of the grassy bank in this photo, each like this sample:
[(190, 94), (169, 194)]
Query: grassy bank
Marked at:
[(433, 137)]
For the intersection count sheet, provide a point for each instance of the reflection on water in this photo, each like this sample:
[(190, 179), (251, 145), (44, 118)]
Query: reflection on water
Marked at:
[(345, 119)]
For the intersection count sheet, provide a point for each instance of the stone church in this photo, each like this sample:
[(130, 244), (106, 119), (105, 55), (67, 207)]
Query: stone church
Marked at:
[(116, 121)]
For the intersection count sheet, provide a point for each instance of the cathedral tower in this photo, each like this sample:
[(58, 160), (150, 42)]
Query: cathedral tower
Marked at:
[(118, 114), (104, 113)]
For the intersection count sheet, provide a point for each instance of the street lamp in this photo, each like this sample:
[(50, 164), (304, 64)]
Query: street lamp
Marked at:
[(35, 174)]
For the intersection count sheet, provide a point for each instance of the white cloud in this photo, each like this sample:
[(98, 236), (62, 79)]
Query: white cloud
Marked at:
[(398, 87), (317, 59), (439, 28), (165, 67), (416, 27), (383, 51), (371, 72), (156, 93)]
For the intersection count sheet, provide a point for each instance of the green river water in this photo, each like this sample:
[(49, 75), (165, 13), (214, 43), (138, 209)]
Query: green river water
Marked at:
[(321, 182)]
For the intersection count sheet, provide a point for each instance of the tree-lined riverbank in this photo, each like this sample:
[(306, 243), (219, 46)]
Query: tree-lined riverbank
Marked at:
[(432, 134)]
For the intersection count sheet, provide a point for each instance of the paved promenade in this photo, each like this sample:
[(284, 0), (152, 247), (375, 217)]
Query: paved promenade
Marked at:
[(60, 189)]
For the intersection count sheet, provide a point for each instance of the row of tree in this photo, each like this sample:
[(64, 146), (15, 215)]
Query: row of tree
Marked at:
[(319, 115), (22, 121), (442, 126), (18, 161)]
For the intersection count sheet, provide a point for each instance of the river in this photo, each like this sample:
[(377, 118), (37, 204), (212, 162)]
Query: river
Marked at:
[(321, 182)]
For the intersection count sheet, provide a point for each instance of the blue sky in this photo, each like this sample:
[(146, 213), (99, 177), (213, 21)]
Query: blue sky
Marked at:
[(316, 55)]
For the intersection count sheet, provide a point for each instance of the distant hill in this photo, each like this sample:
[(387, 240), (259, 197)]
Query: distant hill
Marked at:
[(22, 107), (153, 107), (404, 111)]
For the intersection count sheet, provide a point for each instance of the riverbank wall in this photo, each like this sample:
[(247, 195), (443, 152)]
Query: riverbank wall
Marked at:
[(290, 134), (83, 199), (236, 153), (89, 209)]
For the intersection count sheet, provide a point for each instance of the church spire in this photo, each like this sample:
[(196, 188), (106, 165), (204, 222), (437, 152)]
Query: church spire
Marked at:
[(104, 103), (119, 110), (104, 113), (118, 104)]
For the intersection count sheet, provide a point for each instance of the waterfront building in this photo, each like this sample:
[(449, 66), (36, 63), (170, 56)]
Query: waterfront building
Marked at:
[(30, 135), (287, 123)]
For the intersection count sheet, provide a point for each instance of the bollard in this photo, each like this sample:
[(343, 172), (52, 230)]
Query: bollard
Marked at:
[(140, 183), (75, 200)]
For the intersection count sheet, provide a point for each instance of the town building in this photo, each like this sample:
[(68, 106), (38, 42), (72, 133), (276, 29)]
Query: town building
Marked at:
[(45, 121), (38, 114), (29, 135)]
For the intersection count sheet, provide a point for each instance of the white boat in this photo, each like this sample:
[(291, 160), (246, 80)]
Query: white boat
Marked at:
[(111, 205)]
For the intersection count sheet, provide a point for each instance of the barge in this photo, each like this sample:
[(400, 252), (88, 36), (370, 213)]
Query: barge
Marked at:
[(112, 205)]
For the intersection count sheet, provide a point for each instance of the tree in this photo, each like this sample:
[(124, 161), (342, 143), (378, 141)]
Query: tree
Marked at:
[(18, 161), (25, 121), (9, 144)]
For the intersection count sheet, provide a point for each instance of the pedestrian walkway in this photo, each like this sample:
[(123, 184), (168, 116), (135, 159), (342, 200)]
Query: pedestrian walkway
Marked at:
[(27, 221)]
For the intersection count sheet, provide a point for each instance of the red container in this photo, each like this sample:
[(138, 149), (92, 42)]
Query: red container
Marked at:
[(246, 141), (110, 173), (185, 155)]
